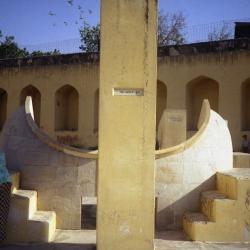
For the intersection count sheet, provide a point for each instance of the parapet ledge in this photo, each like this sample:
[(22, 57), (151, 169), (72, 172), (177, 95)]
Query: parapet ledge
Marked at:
[(46, 60)]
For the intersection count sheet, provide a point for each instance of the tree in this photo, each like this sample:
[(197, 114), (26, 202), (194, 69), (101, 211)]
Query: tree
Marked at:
[(10, 49), (49, 53), (170, 32), (223, 33), (170, 28), (90, 37)]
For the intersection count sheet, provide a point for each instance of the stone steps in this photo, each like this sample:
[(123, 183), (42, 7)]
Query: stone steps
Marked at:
[(25, 223), (195, 225), (213, 203), (225, 212)]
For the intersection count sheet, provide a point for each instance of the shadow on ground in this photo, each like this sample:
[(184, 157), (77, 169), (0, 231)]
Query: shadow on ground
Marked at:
[(49, 246)]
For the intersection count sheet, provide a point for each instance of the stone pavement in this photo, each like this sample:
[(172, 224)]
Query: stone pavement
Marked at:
[(177, 240), (86, 240)]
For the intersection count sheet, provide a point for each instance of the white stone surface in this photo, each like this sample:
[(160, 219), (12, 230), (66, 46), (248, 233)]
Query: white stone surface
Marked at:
[(59, 179), (180, 178), (172, 128)]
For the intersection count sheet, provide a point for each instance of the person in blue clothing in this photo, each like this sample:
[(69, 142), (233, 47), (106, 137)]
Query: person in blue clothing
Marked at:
[(5, 194)]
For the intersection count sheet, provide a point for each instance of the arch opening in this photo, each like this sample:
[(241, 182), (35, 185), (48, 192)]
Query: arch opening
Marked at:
[(66, 109), (36, 100), (161, 101), (245, 105), (3, 107), (96, 111), (196, 91)]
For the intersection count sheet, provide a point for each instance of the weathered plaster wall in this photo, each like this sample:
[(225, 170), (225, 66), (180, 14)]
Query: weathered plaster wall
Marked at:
[(3, 107), (161, 101), (60, 179), (241, 160), (228, 69), (181, 177), (172, 128), (48, 79)]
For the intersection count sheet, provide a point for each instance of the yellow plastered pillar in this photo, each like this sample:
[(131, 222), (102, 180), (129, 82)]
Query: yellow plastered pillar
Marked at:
[(128, 69)]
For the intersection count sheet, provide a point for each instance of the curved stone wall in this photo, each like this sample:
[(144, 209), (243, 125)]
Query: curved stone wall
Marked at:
[(29, 113), (202, 125), (60, 175), (185, 170)]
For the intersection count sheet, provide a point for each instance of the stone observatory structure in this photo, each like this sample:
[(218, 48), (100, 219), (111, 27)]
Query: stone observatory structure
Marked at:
[(185, 170), (62, 175), (131, 180)]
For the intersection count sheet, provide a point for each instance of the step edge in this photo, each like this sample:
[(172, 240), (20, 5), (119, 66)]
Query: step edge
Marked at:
[(50, 216)]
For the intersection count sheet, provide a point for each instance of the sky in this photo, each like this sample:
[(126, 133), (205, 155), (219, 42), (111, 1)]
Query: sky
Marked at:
[(42, 21)]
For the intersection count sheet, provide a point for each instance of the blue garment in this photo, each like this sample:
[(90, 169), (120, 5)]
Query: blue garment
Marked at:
[(4, 174)]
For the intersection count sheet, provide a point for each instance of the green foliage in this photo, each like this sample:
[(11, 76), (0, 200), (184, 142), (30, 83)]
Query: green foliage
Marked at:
[(170, 32), (10, 49), (49, 53), (90, 38), (170, 28)]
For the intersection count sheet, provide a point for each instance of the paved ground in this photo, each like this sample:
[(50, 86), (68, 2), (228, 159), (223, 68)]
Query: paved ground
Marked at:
[(86, 240), (177, 240)]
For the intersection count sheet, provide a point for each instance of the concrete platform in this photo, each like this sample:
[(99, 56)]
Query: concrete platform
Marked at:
[(86, 240), (238, 173)]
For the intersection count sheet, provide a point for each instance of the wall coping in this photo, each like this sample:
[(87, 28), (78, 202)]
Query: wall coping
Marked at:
[(48, 60), (213, 47)]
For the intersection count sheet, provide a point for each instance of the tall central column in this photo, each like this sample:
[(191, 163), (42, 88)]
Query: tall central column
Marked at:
[(125, 209)]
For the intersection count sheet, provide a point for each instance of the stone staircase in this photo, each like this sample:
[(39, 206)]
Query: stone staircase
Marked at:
[(25, 223), (225, 212)]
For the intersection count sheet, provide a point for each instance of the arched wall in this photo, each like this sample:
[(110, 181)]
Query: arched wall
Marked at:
[(229, 69), (161, 100), (66, 109), (245, 105), (196, 91), (32, 91), (96, 111), (3, 107)]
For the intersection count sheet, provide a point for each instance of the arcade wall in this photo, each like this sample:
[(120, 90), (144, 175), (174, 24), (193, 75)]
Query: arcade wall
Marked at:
[(65, 90)]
